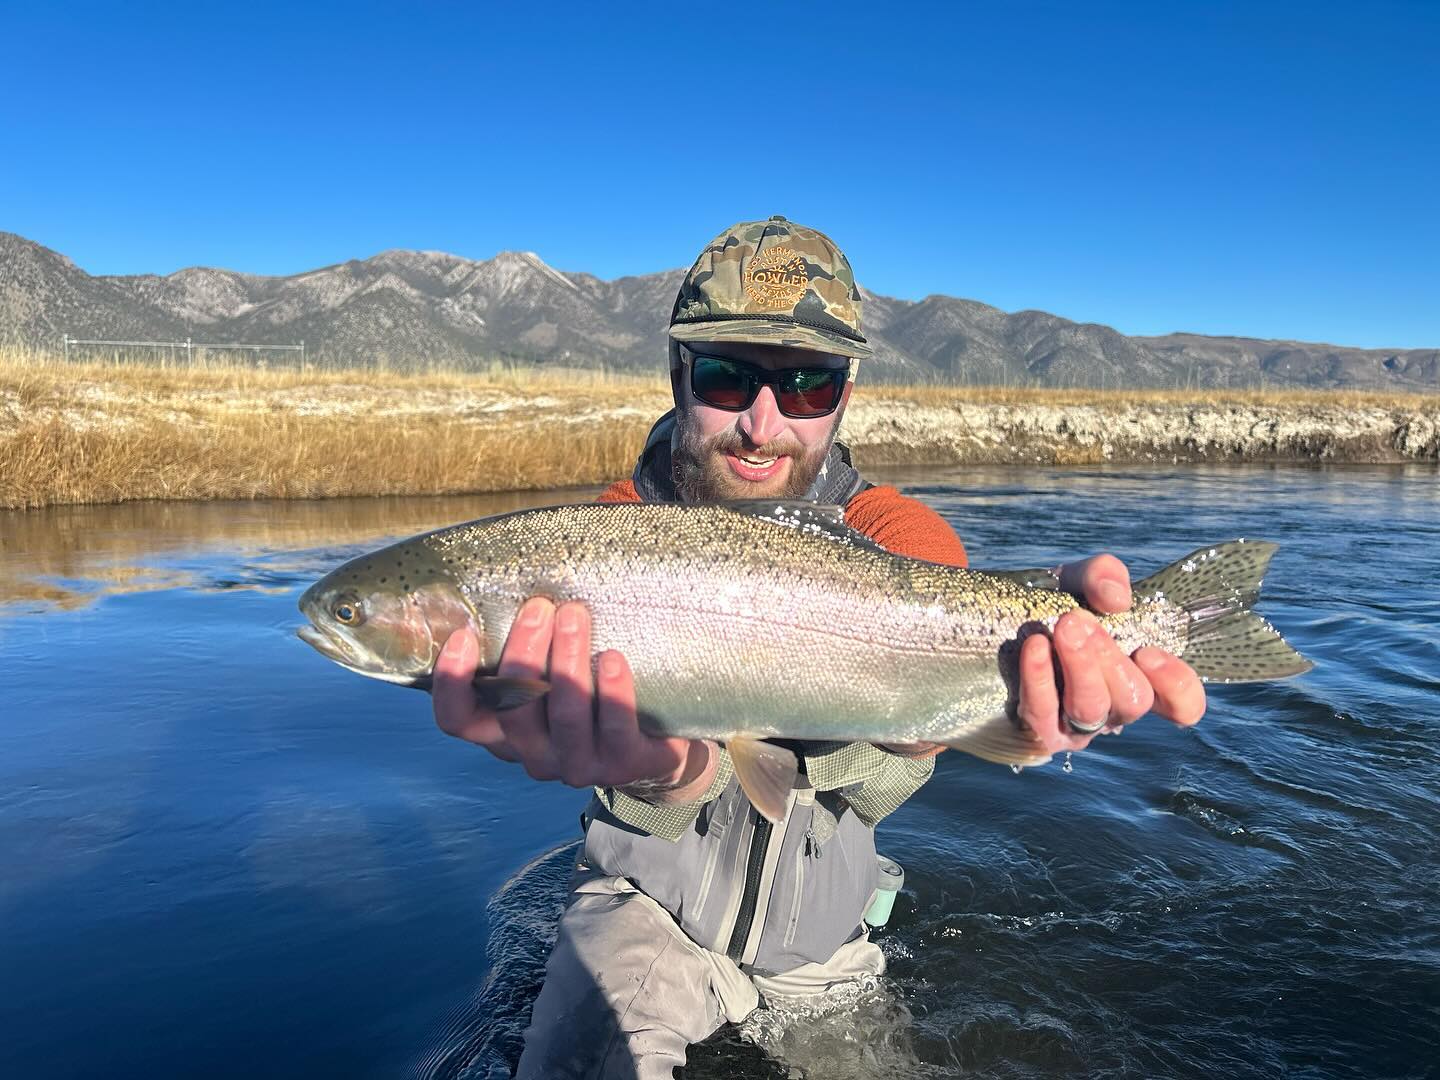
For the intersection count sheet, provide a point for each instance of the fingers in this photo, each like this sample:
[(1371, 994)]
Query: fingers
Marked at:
[(454, 698), (525, 656), (1102, 686), (571, 718), (1179, 693), (625, 753), (1039, 703), (1102, 581)]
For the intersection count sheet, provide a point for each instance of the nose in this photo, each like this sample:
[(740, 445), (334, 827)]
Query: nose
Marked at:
[(762, 421)]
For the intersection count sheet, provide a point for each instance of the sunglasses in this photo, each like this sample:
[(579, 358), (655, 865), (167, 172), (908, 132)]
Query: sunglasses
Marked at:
[(801, 393)]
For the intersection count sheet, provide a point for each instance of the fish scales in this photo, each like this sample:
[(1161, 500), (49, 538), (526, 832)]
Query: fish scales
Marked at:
[(773, 620)]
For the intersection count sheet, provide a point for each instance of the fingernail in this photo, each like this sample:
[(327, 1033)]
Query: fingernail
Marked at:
[(1149, 660), (1113, 594), (533, 613), (457, 643), (1076, 630), (610, 666), (567, 618)]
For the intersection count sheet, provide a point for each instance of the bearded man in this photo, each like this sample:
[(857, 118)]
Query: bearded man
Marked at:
[(689, 907)]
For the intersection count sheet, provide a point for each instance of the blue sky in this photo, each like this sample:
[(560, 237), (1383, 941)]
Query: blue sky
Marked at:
[(1265, 169)]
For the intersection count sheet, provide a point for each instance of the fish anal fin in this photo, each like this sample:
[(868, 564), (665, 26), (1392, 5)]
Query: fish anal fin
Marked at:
[(766, 773), (1002, 740), (499, 693)]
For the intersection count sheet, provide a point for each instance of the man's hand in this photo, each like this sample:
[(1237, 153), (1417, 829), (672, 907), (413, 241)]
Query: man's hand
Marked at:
[(1103, 688), (584, 732)]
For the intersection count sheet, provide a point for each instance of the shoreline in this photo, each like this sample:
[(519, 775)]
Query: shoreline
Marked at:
[(1164, 432), (72, 434)]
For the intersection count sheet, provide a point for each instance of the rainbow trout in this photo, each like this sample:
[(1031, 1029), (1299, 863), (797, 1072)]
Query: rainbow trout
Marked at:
[(749, 621)]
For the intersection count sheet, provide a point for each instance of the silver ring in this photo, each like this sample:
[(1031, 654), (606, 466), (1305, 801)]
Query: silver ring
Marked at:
[(1083, 730)]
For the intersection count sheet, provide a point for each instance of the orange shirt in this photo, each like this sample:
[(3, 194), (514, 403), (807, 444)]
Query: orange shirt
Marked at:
[(896, 522)]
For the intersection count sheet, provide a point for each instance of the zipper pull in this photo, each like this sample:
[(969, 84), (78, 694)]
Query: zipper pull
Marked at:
[(812, 846)]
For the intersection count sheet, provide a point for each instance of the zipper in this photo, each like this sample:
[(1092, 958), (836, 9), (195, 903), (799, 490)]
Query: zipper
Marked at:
[(750, 894), (800, 853)]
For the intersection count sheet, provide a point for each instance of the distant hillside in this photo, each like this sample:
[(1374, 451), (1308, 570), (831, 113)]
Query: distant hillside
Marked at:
[(406, 306)]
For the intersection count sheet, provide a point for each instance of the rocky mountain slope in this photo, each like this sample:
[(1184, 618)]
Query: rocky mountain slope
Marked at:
[(414, 307)]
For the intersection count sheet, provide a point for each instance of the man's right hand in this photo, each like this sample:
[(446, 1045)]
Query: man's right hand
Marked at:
[(584, 732)]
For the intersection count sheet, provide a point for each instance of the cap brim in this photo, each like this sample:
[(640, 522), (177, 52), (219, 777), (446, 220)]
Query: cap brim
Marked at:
[(767, 333)]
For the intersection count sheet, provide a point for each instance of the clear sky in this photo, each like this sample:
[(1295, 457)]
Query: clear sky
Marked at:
[(1267, 169)]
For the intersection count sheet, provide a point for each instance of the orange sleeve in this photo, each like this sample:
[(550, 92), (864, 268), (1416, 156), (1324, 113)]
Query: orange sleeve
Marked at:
[(620, 491), (905, 526)]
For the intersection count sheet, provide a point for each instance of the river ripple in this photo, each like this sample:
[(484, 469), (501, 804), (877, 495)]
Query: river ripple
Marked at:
[(223, 855)]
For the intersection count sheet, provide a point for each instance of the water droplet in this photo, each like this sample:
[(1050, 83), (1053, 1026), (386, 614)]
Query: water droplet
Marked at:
[(1067, 765), (1016, 769)]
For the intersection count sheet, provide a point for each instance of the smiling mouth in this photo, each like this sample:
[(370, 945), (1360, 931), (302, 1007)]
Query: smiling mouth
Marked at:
[(754, 467)]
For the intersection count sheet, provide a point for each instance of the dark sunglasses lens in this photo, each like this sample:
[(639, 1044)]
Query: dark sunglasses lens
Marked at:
[(720, 383), (810, 391)]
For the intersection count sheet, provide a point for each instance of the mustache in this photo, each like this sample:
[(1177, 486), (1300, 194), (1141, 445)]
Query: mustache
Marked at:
[(732, 442)]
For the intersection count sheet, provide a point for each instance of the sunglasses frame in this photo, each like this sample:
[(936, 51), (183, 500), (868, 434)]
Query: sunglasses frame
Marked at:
[(760, 377)]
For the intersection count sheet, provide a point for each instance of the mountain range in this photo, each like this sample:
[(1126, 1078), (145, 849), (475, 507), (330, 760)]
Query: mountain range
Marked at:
[(418, 307)]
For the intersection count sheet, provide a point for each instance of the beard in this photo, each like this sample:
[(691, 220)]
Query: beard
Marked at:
[(702, 475)]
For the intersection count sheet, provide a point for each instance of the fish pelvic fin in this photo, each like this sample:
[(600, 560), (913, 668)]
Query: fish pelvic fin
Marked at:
[(766, 773), (1217, 586), (1002, 740), (499, 693)]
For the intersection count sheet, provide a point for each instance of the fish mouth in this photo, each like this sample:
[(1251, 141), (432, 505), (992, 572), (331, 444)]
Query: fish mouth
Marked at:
[(335, 649), (324, 644)]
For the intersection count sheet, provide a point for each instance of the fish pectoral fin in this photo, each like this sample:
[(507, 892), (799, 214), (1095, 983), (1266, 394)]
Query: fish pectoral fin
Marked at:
[(1002, 740), (499, 693), (766, 773)]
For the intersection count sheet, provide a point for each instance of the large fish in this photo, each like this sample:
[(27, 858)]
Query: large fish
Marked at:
[(771, 619)]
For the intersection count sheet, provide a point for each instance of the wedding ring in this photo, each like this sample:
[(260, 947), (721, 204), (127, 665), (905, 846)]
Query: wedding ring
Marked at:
[(1083, 729)]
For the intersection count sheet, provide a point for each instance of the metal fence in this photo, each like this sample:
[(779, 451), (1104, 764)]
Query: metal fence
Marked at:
[(189, 351)]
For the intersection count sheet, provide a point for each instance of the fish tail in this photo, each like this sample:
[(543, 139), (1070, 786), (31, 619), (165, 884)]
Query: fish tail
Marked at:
[(1217, 586)]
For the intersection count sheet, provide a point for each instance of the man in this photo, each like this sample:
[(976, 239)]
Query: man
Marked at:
[(688, 905)]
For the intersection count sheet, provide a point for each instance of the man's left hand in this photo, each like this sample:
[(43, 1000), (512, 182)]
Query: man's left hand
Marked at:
[(1102, 687)]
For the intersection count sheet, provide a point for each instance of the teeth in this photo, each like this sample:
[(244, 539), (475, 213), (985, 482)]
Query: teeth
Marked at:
[(759, 463)]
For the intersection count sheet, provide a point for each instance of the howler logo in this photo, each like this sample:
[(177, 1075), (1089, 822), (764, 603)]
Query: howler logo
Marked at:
[(776, 278)]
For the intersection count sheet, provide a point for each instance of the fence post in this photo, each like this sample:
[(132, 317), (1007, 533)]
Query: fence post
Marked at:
[(67, 348), (189, 354)]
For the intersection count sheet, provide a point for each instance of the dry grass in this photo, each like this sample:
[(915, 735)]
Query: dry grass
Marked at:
[(90, 433), (86, 433)]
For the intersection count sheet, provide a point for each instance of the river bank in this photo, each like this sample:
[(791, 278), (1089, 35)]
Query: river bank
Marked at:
[(94, 434)]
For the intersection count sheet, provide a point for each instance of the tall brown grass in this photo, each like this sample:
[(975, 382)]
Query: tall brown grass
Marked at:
[(84, 432), (76, 433)]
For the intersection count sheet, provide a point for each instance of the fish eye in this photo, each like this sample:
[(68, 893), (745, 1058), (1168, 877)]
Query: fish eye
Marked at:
[(349, 613)]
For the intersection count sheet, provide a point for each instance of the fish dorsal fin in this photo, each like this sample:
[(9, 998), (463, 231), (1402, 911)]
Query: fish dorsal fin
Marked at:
[(766, 773), (824, 519)]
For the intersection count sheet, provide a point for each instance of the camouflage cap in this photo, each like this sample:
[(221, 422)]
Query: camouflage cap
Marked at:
[(774, 283)]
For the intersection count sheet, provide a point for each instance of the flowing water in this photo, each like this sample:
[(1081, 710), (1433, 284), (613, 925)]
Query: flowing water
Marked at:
[(221, 855)]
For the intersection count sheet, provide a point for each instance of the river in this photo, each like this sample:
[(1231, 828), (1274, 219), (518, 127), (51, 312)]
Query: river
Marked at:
[(221, 855)]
